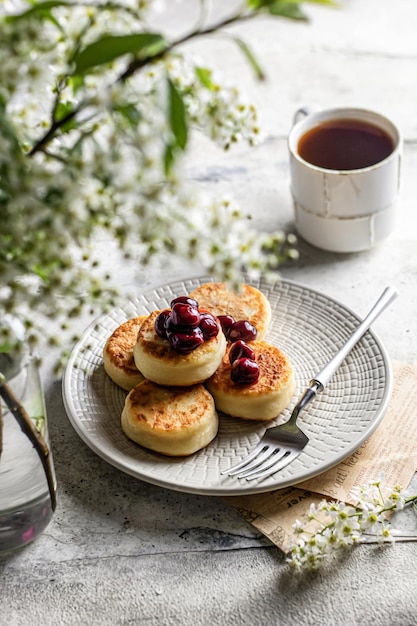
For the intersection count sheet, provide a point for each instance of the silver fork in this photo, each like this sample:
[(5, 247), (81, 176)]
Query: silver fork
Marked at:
[(281, 444)]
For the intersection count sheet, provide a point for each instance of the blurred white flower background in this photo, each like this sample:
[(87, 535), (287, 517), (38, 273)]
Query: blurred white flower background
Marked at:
[(96, 111)]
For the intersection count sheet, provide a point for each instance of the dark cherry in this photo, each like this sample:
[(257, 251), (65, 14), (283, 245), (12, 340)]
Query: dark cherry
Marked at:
[(208, 325), (170, 327), (243, 330), (226, 322), (185, 300), (186, 342), (185, 316), (241, 349), (160, 323), (244, 371)]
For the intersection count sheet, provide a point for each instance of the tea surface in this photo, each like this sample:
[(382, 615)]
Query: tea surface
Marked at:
[(345, 144)]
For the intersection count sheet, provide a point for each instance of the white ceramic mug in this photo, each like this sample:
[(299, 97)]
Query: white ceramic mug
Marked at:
[(344, 210)]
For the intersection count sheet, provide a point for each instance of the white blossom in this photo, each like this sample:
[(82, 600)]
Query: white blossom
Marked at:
[(342, 525), (105, 168)]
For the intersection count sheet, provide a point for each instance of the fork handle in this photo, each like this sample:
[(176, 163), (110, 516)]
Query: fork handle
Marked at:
[(322, 378)]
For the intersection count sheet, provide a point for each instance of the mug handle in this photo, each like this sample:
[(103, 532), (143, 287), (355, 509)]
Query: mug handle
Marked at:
[(301, 113)]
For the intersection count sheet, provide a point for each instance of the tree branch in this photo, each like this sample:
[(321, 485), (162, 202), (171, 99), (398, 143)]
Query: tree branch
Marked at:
[(33, 434), (50, 134), (1, 430), (138, 64), (135, 66)]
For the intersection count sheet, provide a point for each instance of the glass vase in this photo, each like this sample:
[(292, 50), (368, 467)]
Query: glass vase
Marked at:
[(27, 476)]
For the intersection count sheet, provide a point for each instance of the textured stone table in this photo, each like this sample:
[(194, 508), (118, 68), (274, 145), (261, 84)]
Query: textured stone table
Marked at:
[(120, 551)]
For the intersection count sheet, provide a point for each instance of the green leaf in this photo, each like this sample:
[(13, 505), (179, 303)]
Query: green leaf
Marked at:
[(6, 129), (177, 116), (61, 111), (177, 119), (250, 58), (287, 8), (75, 82), (204, 76), (109, 48), (39, 271), (129, 112), (169, 158), (329, 3), (41, 9)]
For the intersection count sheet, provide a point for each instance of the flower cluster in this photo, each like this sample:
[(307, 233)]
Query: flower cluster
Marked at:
[(334, 525), (96, 109)]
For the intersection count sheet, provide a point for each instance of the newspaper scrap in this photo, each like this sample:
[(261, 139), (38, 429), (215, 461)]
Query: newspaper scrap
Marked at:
[(390, 454)]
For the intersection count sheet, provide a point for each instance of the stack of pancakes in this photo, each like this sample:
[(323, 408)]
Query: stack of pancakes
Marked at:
[(173, 398)]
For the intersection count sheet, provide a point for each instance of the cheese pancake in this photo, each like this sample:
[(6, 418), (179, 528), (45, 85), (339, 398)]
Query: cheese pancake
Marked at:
[(262, 400), (247, 303), (175, 421), (159, 362), (118, 359)]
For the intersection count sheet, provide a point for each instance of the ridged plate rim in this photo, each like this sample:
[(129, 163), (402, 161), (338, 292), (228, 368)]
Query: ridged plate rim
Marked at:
[(309, 326)]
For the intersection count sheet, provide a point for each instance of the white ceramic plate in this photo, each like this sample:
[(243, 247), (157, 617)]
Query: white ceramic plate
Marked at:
[(309, 327)]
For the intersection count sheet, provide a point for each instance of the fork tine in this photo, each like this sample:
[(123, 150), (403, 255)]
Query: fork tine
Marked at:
[(271, 461), (275, 468), (256, 462), (235, 468)]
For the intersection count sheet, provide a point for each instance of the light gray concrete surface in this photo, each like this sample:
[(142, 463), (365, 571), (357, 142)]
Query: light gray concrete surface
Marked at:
[(119, 551)]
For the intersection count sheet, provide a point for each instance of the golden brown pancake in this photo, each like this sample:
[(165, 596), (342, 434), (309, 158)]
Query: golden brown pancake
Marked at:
[(248, 303), (118, 358), (263, 400), (175, 421), (163, 365)]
